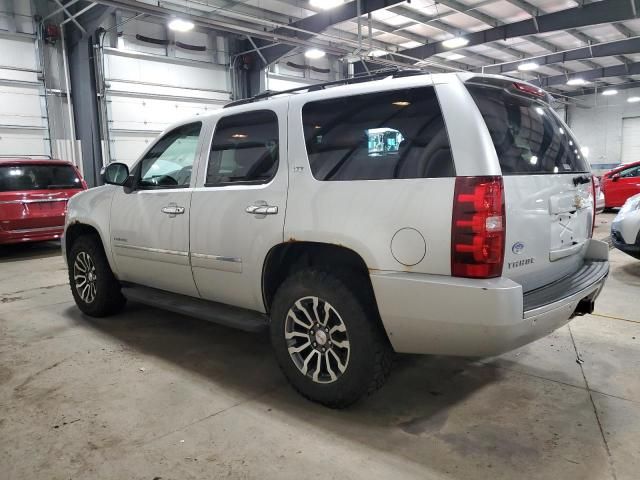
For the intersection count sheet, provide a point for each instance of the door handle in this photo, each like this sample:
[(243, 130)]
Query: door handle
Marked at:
[(173, 210), (262, 210)]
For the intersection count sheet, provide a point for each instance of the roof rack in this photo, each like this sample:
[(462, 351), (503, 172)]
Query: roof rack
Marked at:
[(393, 72)]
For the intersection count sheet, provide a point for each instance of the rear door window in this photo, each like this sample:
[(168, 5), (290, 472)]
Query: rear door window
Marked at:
[(528, 136), (385, 135), (244, 149), (37, 177)]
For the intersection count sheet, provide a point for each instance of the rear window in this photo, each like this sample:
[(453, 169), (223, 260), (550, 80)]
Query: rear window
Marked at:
[(386, 135), (528, 136), (37, 177)]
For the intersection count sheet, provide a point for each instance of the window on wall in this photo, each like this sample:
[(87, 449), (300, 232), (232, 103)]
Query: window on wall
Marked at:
[(170, 161), (386, 135), (244, 149)]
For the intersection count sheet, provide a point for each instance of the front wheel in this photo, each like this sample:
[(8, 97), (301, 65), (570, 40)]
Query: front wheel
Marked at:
[(327, 337), (95, 289)]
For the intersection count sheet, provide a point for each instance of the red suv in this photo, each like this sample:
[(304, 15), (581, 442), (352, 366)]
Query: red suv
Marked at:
[(33, 198), (621, 183)]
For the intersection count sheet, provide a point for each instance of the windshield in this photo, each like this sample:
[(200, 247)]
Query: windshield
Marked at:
[(37, 177), (528, 136)]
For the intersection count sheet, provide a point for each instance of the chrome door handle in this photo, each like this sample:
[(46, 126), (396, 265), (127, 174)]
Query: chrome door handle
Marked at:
[(173, 210), (262, 210)]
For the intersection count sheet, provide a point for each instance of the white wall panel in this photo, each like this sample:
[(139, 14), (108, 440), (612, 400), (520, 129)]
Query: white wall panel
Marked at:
[(630, 139), (23, 119), (599, 126), (145, 95)]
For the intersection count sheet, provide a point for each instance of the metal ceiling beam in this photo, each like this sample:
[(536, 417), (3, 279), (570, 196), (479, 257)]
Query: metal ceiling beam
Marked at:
[(604, 11), (322, 21), (623, 29), (620, 47), (592, 90), (592, 75)]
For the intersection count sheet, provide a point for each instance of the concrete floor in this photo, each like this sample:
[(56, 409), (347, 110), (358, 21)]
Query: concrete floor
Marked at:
[(149, 395)]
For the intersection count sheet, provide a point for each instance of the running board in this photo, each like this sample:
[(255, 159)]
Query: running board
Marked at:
[(226, 315)]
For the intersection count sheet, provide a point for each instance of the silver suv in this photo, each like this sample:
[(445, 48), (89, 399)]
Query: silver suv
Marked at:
[(441, 214)]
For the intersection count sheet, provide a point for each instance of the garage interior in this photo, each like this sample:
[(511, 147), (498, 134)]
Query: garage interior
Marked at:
[(154, 395)]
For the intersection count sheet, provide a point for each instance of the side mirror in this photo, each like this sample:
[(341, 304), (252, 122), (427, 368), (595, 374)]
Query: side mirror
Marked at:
[(116, 173), (615, 178)]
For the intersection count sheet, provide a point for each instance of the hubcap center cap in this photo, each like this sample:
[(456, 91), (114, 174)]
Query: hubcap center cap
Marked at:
[(321, 337)]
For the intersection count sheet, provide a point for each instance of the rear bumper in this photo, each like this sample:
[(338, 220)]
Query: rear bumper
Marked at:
[(456, 316), (30, 235)]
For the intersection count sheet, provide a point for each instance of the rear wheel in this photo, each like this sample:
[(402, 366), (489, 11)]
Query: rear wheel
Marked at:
[(95, 289), (327, 338)]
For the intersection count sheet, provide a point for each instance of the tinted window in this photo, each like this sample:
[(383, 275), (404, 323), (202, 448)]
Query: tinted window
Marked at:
[(37, 177), (528, 137), (631, 172), (169, 162), (244, 149), (398, 134)]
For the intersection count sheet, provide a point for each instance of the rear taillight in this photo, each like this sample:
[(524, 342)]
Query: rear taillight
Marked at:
[(478, 227)]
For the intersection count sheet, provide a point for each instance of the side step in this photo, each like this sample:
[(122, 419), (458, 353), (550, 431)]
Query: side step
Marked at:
[(226, 315)]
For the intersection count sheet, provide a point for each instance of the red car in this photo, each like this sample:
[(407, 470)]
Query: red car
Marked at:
[(33, 198), (620, 183)]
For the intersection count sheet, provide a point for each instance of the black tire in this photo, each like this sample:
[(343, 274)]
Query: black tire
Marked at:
[(107, 297), (369, 357)]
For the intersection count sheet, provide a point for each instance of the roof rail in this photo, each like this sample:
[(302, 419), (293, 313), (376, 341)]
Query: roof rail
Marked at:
[(393, 72)]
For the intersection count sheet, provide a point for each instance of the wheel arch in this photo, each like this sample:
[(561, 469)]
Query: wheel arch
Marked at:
[(78, 229), (288, 257)]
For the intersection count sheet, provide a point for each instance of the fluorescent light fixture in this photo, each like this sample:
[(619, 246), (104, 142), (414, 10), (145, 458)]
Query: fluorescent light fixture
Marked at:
[(180, 25), (314, 53), (633, 99), (584, 151), (401, 104), (239, 135), (325, 4), (455, 42), (533, 160), (561, 130), (539, 111), (377, 53), (610, 91), (576, 81), (453, 56), (527, 66)]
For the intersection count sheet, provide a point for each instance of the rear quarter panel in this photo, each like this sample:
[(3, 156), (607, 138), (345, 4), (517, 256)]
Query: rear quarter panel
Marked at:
[(364, 215)]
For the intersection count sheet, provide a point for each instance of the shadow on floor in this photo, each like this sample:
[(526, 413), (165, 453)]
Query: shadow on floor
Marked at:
[(29, 251), (407, 417)]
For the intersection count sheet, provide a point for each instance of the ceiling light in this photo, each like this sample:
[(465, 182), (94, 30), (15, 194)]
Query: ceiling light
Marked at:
[(453, 56), (610, 91), (455, 42), (533, 160), (239, 135), (314, 53), (377, 53), (325, 4), (576, 81), (402, 103), (527, 66), (180, 25), (633, 99)]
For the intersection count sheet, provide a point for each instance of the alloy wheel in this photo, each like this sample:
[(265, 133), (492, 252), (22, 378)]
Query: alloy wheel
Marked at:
[(84, 275), (317, 339)]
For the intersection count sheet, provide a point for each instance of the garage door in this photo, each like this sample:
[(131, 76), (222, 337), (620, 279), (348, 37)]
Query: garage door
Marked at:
[(630, 139), (23, 116), (144, 96)]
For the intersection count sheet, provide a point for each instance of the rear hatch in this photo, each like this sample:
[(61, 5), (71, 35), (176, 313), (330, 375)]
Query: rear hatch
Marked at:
[(34, 196), (547, 183)]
